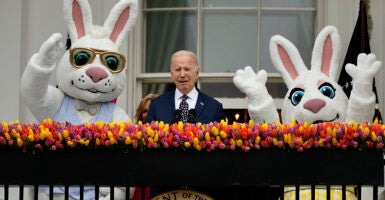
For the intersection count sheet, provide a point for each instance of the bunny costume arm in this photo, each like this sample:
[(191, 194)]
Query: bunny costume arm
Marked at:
[(362, 98), (42, 99), (260, 104)]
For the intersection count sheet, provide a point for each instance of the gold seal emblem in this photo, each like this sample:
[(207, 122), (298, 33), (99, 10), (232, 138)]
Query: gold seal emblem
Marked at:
[(182, 195)]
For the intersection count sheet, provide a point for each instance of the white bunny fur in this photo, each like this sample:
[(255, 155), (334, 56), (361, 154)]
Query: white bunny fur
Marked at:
[(45, 100), (314, 106)]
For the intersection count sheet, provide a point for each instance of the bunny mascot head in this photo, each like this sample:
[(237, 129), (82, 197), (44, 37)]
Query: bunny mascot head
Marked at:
[(89, 75), (313, 94)]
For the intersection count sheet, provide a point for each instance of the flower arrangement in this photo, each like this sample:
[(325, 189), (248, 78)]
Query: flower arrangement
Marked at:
[(127, 136)]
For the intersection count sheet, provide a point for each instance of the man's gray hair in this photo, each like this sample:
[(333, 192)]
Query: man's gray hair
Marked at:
[(186, 52)]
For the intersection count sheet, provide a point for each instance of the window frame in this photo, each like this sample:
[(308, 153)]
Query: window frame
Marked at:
[(136, 51)]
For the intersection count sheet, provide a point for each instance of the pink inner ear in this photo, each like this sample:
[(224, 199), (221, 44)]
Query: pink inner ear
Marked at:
[(286, 61), (327, 56), (77, 16), (119, 25)]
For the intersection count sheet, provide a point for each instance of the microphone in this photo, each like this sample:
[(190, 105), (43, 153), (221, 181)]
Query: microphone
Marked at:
[(191, 116), (177, 116)]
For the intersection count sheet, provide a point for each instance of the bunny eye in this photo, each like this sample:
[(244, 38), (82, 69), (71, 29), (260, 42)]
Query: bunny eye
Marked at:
[(112, 62), (81, 58), (296, 95), (328, 90)]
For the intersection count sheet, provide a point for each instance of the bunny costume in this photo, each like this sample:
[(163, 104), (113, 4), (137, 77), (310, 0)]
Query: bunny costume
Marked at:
[(313, 95), (89, 75)]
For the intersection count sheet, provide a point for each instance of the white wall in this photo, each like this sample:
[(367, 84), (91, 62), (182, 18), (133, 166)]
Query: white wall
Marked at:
[(10, 42)]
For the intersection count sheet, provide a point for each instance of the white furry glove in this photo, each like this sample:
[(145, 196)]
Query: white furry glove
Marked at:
[(50, 51), (362, 98), (260, 104), (253, 85), (367, 68), (363, 74)]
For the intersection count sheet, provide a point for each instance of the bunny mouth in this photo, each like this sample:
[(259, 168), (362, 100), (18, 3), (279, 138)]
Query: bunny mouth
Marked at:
[(321, 121), (91, 90)]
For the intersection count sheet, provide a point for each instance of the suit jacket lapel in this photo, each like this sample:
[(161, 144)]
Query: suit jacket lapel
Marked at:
[(171, 104), (200, 105)]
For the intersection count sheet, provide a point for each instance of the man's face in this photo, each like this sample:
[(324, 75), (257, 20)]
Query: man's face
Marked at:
[(184, 73)]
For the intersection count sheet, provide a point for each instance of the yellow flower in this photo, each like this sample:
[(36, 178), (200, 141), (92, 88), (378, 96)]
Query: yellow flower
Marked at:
[(87, 124), (257, 140), (150, 132), (161, 125), (19, 128), (7, 136), (197, 147), (239, 142), (275, 141), (139, 135), (214, 130), (196, 141), (99, 125), (65, 133), (374, 137), (187, 144), (128, 140), (293, 123), (70, 143), (321, 142), (223, 122), (15, 134), (265, 126), (19, 142), (207, 136), (165, 129), (110, 135), (156, 138), (251, 123), (218, 139), (5, 126), (235, 125), (223, 134), (31, 137), (180, 126)]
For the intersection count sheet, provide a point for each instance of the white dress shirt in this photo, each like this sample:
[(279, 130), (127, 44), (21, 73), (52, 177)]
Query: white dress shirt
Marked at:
[(191, 100)]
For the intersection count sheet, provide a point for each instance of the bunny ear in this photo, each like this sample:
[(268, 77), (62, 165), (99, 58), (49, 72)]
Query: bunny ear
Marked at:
[(78, 16), (120, 20), (326, 52), (286, 59)]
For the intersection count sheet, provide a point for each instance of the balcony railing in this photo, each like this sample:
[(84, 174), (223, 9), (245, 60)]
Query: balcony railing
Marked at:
[(218, 168)]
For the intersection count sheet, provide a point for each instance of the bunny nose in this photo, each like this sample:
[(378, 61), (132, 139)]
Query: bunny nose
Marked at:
[(96, 74), (314, 105)]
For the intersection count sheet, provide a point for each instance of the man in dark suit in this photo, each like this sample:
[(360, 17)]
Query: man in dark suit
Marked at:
[(169, 106)]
